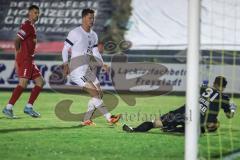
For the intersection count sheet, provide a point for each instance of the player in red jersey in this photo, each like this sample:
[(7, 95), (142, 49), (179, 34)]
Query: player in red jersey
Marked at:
[(25, 44)]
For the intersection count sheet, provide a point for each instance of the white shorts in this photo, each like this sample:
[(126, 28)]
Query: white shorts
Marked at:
[(83, 74)]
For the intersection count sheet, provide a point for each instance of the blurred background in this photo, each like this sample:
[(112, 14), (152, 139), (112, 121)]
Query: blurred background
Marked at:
[(153, 32)]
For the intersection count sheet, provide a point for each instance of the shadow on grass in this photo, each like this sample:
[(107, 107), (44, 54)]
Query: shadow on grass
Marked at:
[(11, 118), (179, 133), (227, 156), (37, 129), (156, 133)]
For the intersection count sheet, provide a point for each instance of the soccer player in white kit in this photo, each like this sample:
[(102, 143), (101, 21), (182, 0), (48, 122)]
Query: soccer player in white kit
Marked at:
[(83, 42)]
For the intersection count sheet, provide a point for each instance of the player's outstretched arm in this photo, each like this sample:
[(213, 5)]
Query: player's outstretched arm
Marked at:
[(97, 56), (66, 69), (17, 44), (68, 43)]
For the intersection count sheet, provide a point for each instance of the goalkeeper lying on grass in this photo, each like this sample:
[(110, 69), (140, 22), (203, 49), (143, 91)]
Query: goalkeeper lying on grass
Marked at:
[(210, 101)]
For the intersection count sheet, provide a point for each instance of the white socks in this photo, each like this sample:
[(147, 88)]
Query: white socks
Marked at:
[(29, 105), (98, 103), (107, 116), (9, 106)]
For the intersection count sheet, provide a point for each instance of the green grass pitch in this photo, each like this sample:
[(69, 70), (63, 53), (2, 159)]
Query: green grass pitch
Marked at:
[(51, 138)]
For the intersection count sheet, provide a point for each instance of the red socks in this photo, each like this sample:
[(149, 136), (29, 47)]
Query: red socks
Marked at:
[(18, 91), (34, 94), (16, 94)]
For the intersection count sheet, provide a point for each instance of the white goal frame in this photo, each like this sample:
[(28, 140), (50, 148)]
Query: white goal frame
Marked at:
[(192, 91)]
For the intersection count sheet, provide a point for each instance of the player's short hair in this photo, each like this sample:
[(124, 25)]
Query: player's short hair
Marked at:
[(220, 81), (33, 7), (86, 11)]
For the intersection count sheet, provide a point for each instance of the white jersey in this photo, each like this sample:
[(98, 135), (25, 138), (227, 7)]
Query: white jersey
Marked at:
[(81, 42)]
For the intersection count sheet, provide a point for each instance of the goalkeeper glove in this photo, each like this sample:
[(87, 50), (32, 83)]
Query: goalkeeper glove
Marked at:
[(205, 83), (233, 107)]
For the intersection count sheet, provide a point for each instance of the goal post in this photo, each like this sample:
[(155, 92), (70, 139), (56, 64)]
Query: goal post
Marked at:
[(192, 90)]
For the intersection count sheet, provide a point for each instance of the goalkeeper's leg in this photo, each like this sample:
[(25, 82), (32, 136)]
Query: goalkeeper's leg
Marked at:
[(166, 122)]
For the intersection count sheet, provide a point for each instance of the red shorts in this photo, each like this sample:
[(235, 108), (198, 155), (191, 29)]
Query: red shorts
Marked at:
[(28, 70)]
